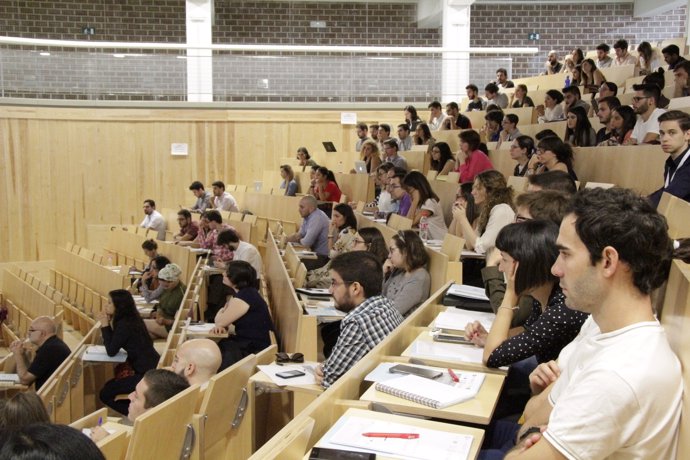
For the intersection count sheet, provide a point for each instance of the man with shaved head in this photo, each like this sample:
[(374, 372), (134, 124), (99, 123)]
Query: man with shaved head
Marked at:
[(197, 360), (313, 233), (50, 353)]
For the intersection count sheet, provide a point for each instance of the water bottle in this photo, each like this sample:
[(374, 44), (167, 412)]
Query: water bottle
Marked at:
[(424, 229), (567, 81)]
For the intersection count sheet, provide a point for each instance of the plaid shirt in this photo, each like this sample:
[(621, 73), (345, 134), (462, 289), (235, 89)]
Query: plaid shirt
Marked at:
[(208, 241), (360, 331)]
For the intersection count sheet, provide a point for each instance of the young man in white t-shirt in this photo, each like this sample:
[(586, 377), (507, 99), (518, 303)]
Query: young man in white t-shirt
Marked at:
[(616, 390), (646, 130)]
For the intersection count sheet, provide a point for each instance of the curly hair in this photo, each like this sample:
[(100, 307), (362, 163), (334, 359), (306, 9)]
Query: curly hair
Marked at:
[(497, 192)]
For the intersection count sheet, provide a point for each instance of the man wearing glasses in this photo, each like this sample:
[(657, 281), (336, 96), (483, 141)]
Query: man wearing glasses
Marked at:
[(50, 354), (356, 280), (646, 130)]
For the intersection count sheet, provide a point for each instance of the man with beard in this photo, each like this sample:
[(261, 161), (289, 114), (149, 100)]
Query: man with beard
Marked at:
[(197, 360), (356, 280), (646, 130), (604, 108)]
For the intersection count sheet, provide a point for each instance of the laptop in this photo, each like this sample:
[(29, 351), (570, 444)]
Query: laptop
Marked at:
[(329, 146), (360, 167)]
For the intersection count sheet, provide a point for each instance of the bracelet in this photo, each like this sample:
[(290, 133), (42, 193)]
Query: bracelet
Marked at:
[(509, 308)]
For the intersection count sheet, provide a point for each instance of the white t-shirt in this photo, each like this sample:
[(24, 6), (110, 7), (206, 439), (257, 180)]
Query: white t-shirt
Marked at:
[(156, 222), (225, 202), (499, 216), (436, 123), (247, 252), (618, 396), (437, 224), (650, 126)]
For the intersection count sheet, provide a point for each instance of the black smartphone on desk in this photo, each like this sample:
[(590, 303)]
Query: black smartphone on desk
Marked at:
[(322, 453), (290, 374)]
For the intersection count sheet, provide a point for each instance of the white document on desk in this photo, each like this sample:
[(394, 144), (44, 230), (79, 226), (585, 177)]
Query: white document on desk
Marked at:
[(97, 353), (309, 378), (9, 378), (457, 319), (447, 351), (200, 328), (469, 380), (468, 292), (431, 444)]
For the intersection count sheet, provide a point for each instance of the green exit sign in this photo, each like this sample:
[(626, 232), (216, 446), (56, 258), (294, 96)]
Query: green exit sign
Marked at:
[(533, 36)]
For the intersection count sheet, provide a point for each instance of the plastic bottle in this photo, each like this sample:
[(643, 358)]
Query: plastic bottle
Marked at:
[(424, 229), (567, 81)]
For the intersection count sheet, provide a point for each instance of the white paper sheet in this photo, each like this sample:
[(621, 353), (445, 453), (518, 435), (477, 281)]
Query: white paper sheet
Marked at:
[(457, 319), (447, 351)]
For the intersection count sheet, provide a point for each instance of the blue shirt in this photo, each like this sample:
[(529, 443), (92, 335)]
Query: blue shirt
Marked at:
[(314, 232), (678, 177)]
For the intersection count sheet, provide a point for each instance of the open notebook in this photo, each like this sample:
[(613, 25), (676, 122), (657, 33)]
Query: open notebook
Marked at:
[(427, 392)]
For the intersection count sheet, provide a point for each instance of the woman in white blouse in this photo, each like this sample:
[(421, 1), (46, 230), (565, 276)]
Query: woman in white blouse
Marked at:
[(552, 109), (425, 204), (495, 197)]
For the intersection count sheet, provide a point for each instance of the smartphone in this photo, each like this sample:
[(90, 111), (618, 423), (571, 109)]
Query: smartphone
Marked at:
[(321, 453), (290, 374), (418, 371), (452, 339)]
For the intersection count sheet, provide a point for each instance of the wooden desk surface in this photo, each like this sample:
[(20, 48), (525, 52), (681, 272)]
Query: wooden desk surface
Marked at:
[(261, 377), (476, 433), (476, 410)]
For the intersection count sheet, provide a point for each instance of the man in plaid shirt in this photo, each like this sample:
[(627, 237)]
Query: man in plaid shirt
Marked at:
[(356, 279)]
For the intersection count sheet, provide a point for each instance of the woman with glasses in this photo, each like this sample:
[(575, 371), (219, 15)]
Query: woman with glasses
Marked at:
[(371, 240), (406, 280), (169, 302), (425, 205), (495, 199), (521, 150), (122, 327), (579, 131), (247, 311), (552, 155), (442, 160)]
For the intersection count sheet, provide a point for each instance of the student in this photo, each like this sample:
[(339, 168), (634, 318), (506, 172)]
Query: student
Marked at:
[(674, 129), (313, 233), (371, 155), (342, 229), (510, 131), (645, 102), (552, 110), (123, 328), (247, 311), (203, 198), (188, 228), (471, 160), (371, 240), (150, 288), (47, 441), (326, 188), (153, 219), (169, 302), (304, 159), (223, 201), (422, 135), (552, 155), (241, 250), (356, 279), (592, 78), (362, 135), (197, 360), (579, 131), (604, 112), (22, 409), (465, 200), (411, 118), (150, 248), (406, 278), (552, 180), (442, 160), (623, 121), (425, 204), (398, 192), (521, 150), (520, 97), (495, 197), (288, 184)]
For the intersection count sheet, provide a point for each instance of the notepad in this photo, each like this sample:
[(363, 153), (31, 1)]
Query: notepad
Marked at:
[(97, 353), (425, 391), (314, 292), (203, 327), (468, 292), (9, 378), (457, 319)]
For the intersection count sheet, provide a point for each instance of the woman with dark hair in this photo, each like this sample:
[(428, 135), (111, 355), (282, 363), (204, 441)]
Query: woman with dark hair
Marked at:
[(422, 135), (658, 79), (521, 150), (411, 117), (49, 442), (552, 110), (623, 121), (304, 158), (342, 229), (247, 311), (649, 58), (150, 288), (150, 248), (520, 97), (442, 160), (471, 160), (326, 188), (371, 240), (122, 327), (495, 197), (579, 131), (465, 200), (425, 204), (289, 183), (22, 409), (406, 280), (578, 56), (528, 250), (552, 155), (592, 78), (577, 76)]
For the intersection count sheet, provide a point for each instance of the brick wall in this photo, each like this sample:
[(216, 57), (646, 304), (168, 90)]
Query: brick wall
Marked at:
[(564, 27)]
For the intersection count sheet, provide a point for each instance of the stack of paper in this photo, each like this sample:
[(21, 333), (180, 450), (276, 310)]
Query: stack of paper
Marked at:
[(97, 353), (457, 319), (468, 292), (9, 378)]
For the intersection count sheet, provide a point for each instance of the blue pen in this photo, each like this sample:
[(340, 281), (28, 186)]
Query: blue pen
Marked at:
[(100, 421)]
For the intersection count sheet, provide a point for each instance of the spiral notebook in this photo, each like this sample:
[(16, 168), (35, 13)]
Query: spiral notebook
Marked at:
[(425, 391)]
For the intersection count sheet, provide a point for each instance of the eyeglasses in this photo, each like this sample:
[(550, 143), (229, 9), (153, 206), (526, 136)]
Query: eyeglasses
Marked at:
[(289, 358), (335, 283), (639, 98), (519, 218)]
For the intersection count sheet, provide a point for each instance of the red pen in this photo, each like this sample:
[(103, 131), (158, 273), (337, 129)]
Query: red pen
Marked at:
[(392, 435), (452, 375)]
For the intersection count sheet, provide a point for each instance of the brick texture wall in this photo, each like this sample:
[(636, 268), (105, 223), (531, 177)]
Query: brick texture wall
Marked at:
[(564, 27)]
